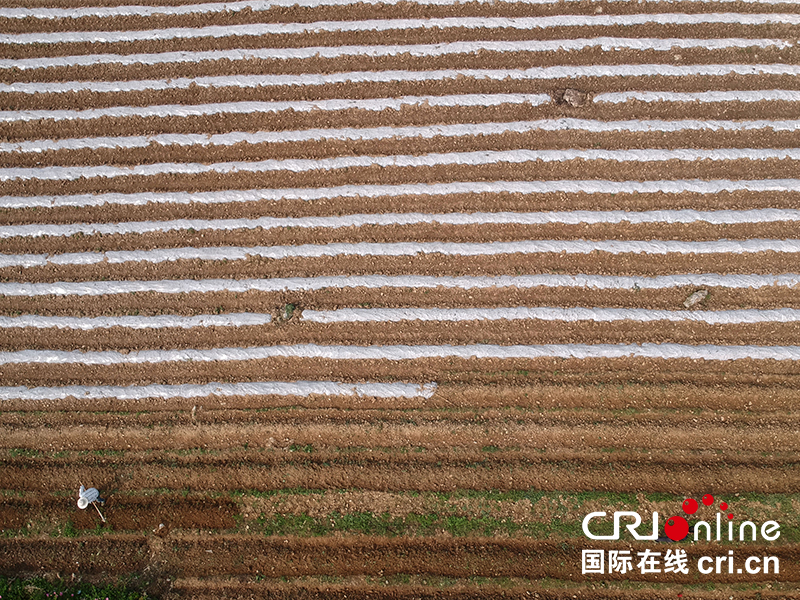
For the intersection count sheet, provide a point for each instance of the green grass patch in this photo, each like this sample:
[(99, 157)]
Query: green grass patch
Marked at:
[(365, 523), (564, 509), (24, 452), (108, 452), (307, 448), (38, 588), (293, 525)]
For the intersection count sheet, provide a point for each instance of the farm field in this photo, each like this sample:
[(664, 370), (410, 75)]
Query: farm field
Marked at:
[(381, 298)]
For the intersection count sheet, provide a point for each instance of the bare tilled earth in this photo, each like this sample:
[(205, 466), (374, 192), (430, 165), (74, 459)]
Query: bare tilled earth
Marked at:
[(341, 299)]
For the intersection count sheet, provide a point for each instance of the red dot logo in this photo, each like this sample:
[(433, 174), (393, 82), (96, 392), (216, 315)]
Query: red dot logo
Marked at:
[(708, 499), (676, 528), (730, 516), (723, 506), (690, 506)]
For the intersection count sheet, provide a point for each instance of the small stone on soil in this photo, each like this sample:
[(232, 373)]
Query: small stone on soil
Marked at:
[(574, 98)]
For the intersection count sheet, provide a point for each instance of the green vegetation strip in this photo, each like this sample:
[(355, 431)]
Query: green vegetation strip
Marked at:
[(531, 513), (385, 525), (38, 588), (447, 512)]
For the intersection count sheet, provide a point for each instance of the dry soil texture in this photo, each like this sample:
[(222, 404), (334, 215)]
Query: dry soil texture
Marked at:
[(379, 299)]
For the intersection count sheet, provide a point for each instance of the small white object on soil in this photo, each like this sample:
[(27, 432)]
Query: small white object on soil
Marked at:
[(695, 298)]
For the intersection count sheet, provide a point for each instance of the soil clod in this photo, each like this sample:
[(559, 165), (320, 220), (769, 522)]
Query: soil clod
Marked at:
[(574, 98)]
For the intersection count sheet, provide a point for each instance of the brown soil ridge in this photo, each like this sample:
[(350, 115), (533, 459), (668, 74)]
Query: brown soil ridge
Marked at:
[(433, 264), (433, 35), (398, 233), (427, 588), (479, 59), (444, 370), (536, 140), (406, 116), (125, 513), (479, 202), (362, 411), (371, 175), (436, 557), (300, 14), (87, 99), (285, 456), (766, 400), (293, 557), (463, 440), (119, 555), (196, 303), (565, 470), (569, 140), (524, 332)]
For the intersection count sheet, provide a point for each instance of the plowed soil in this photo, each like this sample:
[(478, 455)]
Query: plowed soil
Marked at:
[(472, 481)]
